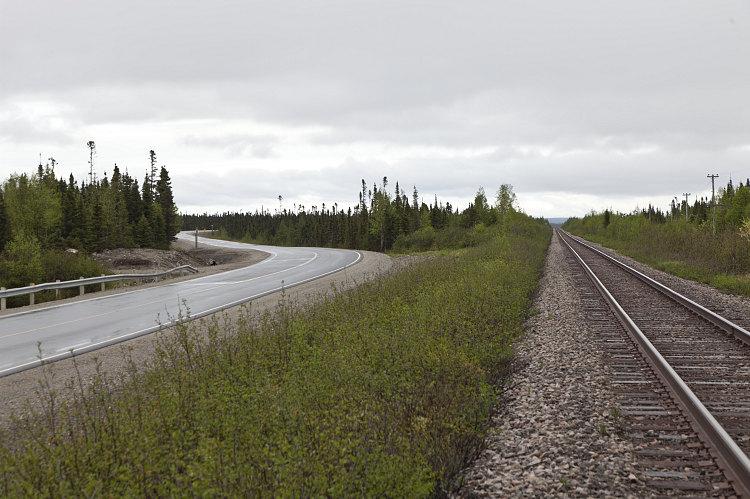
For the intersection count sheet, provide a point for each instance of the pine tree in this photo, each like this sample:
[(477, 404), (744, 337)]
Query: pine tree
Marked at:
[(142, 233), (148, 194), (4, 223), (71, 212), (157, 227), (165, 200), (152, 171), (133, 199)]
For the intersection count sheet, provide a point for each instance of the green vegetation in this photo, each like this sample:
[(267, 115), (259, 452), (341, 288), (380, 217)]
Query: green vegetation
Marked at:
[(384, 390), (689, 249), (379, 222), (41, 216)]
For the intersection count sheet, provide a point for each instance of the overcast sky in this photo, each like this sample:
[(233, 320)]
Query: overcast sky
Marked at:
[(579, 104)]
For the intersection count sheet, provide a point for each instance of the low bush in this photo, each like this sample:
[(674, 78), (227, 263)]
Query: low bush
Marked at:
[(684, 249), (383, 390), (451, 237), (68, 266), (24, 262)]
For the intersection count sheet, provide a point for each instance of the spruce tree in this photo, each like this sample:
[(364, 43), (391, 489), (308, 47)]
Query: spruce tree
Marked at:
[(165, 200), (148, 194), (4, 223), (142, 233)]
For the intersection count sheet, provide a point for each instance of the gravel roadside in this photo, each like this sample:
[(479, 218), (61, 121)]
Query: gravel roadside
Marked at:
[(555, 431), (20, 393)]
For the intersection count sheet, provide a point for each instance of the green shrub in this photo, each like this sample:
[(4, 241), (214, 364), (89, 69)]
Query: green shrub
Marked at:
[(67, 266), (22, 263), (384, 390), (685, 249), (451, 237), (422, 239)]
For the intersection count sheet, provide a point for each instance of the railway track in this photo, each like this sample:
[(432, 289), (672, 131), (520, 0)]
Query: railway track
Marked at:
[(681, 373)]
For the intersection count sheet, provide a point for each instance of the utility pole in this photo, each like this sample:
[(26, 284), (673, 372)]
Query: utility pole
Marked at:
[(686, 194), (713, 177)]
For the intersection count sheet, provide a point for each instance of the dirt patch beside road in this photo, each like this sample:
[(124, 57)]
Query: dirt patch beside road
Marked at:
[(134, 260)]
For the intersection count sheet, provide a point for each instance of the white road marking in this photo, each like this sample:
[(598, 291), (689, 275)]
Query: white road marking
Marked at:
[(10, 368), (188, 283), (73, 347), (179, 300), (123, 293)]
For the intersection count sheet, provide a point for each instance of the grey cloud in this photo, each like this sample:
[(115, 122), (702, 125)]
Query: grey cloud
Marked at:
[(255, 145), (594, 82), (21, 130)]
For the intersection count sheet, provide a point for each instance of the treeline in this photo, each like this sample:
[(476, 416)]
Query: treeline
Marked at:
[(732, 209), (380, 221), (685, 246), (42, 215), (101, 214)]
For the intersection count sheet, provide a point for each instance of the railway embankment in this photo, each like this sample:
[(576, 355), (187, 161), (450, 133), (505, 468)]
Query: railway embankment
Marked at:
[(621, 388), (557, 430)]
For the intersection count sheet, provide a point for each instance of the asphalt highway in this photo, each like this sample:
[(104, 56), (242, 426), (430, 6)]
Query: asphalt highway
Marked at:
[(76, 327)]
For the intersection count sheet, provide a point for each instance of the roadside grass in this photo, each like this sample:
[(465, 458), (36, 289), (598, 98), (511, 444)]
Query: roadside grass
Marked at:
[(384, 390), (685, 250), (730, 283)]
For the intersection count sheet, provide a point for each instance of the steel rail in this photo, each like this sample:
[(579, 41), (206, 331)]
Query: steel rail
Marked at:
[(36, 288), (730, 327), (731, 459)]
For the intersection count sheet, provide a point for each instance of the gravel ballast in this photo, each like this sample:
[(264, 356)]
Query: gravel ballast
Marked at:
[(734, 307), (555, 431)]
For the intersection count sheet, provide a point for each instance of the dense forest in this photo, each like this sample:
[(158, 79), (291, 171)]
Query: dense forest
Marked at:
[(42, 215), (705, 241), (380, 221)]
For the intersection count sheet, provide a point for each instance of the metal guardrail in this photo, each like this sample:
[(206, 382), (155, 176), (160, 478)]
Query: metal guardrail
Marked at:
[(83, 282)]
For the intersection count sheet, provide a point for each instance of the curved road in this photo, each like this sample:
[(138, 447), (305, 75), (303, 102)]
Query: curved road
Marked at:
[(85, 325)]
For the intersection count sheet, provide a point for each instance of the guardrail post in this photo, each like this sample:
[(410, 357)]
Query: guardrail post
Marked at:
[(81, 288), (31, 296), (104, 284), (2, 300), (57, 290)]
